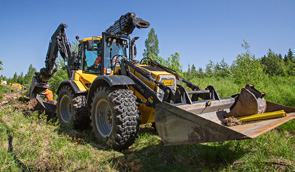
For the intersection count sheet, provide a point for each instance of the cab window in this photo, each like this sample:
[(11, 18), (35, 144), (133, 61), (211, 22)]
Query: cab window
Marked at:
[(93, 59)]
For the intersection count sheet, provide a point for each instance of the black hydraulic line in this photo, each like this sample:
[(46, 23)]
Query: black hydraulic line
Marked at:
[(10, 149), (148, 76), (156, 64)]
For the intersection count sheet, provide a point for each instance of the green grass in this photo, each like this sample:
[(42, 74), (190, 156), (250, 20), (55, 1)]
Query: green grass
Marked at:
[(43, 146)]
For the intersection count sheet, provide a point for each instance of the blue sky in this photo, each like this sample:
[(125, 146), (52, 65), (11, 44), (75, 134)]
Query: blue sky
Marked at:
[(199, 30)]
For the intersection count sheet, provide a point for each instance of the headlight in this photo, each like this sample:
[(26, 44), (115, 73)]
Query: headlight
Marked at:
[(109, 70)]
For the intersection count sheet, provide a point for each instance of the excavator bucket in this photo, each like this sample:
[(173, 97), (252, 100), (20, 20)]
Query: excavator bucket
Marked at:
[(47, 106), (37, 88), (204, 121)]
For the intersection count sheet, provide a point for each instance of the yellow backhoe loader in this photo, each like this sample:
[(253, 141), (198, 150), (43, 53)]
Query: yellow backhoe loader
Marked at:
[(114, 93)]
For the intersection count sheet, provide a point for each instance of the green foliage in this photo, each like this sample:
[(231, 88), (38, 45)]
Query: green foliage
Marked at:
[(29, 75), (191, 73), (223, 69), (273, 64), (200, 73), (3, 90), (173, 62), (59, 76), (289, 60), (152, 46), (246, 69), (75, 46), (1, 68), (209, 69)]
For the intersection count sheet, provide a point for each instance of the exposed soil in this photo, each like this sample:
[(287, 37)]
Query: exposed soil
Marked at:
[(22, 104), (232, 121)]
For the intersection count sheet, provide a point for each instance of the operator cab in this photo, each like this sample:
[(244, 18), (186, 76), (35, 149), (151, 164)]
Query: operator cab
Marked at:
[(91, 49)]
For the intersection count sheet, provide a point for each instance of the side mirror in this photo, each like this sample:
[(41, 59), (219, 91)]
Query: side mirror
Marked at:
[(90, 45)]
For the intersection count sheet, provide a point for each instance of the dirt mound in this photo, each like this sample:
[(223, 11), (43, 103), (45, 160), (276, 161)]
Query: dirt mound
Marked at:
[(29, 108), (10, 96), (232, 121), (34, 105), (22, 104)]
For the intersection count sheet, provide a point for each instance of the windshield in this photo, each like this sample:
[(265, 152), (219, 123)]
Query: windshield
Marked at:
[(92, 59), (114, 47)]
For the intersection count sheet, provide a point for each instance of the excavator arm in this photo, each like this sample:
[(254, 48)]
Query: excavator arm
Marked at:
[(58, 43)]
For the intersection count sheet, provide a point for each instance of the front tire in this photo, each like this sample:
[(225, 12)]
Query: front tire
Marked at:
[(114, 117), (72, 111)]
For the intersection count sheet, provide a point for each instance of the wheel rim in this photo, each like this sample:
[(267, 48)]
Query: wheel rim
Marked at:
[(103, 117), (65, 108)]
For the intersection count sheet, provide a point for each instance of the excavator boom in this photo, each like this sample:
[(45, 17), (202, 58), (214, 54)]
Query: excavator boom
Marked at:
[(58, 43)]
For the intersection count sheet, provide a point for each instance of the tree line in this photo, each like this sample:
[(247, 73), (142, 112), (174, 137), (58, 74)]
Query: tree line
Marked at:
[(22, 79), (246, 68)]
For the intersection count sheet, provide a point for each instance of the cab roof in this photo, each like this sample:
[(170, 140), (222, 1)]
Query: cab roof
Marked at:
[(95, 38)]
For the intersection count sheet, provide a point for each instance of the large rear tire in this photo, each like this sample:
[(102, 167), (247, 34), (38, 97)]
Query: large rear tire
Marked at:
[(114, 117), (72, 111)]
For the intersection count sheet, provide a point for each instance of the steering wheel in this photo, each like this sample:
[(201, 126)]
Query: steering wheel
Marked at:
[(113, 66), (117, 56)]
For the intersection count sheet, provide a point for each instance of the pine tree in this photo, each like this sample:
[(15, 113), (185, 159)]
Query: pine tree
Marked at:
[(29, 75), (201, 74), (290, 55), (224, 68), (193, 71), (210, 69), (20, 78), (273, 64), (151, 45), (152, 48), (14, 79), (289, 63)]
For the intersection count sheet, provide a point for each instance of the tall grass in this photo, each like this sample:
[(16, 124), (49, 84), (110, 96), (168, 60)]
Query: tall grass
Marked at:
[(43, 146), (278, 89)]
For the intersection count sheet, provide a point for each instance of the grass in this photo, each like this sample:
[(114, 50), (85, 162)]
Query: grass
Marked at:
[(44, 146)]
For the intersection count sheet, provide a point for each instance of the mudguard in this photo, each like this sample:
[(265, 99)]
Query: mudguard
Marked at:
[(73, 85), (108, 81)]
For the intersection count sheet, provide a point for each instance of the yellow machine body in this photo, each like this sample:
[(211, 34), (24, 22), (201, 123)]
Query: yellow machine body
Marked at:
[(148, 113), (16, 86), (81, 79)]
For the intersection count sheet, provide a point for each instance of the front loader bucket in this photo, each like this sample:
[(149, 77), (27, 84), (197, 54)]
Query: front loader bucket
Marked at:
[(203, 122)]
